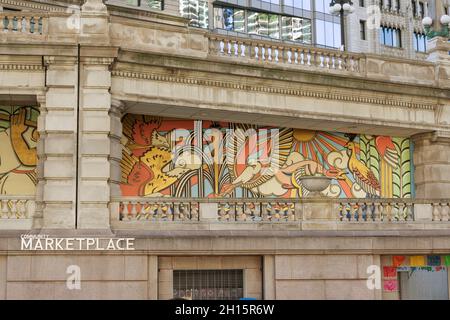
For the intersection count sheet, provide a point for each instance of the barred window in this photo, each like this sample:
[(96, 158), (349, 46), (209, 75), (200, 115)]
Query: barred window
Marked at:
[(208, 284)]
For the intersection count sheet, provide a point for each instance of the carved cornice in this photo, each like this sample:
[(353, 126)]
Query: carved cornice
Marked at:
[(310, 92), (32, 5), (21, 67)]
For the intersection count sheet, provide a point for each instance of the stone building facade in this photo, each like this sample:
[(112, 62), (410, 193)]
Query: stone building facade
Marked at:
[(91, 102)]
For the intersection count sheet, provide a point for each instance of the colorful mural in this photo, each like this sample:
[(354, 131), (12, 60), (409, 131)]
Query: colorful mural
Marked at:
[(186, 158), (18, 141)]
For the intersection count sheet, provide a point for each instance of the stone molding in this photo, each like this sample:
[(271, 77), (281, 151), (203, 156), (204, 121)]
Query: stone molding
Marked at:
[(276, 90), (34, 5)]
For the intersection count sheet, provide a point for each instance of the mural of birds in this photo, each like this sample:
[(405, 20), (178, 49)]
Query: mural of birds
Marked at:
[(386, 150), (148, 166), (362, 174), (251, 157)]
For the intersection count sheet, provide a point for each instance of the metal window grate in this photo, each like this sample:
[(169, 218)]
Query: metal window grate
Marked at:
[(208, 284)]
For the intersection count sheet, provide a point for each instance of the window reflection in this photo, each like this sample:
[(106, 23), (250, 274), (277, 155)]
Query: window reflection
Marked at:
[(328, 33), (263, 24), (196, 11)]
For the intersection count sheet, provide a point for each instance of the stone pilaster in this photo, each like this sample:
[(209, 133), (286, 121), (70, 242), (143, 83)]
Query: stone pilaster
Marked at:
[(58, 129), (116, 112), (95, 145), (432, 165), (38, 215)]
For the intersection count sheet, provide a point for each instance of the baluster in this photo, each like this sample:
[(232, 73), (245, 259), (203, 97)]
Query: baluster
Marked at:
[(269, 52), (362, 212), (236, 49), (5, 24), (176, 211), (291, 212), (221, 47), (169, 211), (276, 54), (308, 57), (352, 64), (14, 24), (24, 24), (327, 62), (133, 211), (123, 210), (250, 211), (256, 52), (376, 212), (20, 214), (229, 47), (388, 210), (436, 212), (40, 25), (183, 212), (341, 211), (13, 210), (409, 212), (289, 55), (321, 59), (239, 211), (445, 211), (401, 211), (5, 209), (339, 63), (32, 25), (263, 53), (302, 57), (194, 211), (267, 212), (242, 50)]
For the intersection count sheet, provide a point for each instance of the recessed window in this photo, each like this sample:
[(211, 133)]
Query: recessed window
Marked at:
[(362, 3), (208, 284), (362, 29), (420, 42), (418, 8), (390, 37)]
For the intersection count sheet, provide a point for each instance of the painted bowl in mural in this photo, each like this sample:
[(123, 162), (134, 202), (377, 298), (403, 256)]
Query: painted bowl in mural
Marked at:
[(315, 183)]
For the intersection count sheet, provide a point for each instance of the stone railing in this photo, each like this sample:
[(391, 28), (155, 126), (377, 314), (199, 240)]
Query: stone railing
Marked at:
[(24, 23), (16, 212), (277, 52), (263, 211)]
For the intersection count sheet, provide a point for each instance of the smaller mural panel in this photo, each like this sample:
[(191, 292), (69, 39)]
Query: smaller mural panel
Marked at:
[(18, 157)]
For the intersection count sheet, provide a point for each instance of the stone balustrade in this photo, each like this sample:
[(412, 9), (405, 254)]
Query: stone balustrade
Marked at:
[(348, 211), (16, 212), (24, 23), (275, 52)]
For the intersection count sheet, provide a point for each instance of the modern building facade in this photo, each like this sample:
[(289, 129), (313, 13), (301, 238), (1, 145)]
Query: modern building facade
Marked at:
[(241, 149)]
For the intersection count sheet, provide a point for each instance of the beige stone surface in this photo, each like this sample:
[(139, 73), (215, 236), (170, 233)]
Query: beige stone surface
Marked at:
[(348, 290), (121, 290), (3, 276), (316, 267), (300, 289)]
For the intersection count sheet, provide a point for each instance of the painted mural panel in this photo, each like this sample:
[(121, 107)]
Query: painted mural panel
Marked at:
[(186, 158), (18, 158)]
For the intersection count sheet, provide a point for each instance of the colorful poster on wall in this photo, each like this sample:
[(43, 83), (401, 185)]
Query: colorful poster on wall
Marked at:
[(18, 142), (186, 158)]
